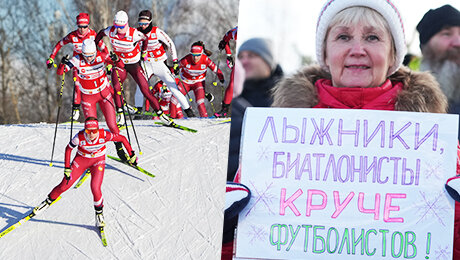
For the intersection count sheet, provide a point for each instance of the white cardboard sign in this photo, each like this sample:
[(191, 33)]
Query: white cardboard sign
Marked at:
[(347, 184)]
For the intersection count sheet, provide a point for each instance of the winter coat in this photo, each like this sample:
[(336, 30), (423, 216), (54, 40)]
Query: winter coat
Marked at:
[(420, 93), (256, 93)]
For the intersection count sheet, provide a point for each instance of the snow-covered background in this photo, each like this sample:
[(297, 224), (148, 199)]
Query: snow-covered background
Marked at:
[(176, 215)]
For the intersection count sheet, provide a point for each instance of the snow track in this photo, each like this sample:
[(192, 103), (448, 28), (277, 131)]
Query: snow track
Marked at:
[(176, 215)]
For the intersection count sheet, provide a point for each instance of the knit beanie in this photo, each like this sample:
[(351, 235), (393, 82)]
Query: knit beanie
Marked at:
[(384, 7), (261, 47), (434, 21)]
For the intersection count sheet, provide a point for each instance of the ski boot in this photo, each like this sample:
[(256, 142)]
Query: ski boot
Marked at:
[(121, 152), (75, 112), (189, 112), (138, 114), (44, 205), (209, 97), (131, 110), (100, 222), (120, 118), (164, 118), (223, 112)]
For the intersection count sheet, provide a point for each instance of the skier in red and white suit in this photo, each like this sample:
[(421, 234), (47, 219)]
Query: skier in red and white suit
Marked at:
[(125, 43), (153, 61), (94, 84), (76, 38), (90, 155), (228, 96), (168, 102), (193, 73)]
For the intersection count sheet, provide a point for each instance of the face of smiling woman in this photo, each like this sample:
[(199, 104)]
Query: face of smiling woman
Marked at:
[(358, 55)]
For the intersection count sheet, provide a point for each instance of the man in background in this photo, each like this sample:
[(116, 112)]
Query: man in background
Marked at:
[(439, 32), (261, 74)]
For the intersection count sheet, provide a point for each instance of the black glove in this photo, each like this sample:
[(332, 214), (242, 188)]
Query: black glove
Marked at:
[(108, 69), (222, 44), (230, 61), (67, 174), (176, 67), (113, 57), (65, 59), (49, 62)]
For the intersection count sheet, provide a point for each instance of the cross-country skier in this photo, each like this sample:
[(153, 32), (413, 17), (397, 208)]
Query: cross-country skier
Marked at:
[(90, 154), (193, 73), (154, 59), (76, 38), (168, 102), (228, 96), (94, 85), (125, 43)]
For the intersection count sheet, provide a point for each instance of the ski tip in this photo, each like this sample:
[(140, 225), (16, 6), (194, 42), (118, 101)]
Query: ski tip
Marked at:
[(51, 164), (140, 153)]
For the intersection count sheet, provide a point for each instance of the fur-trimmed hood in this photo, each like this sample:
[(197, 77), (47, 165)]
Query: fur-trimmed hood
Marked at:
[(420, 92)]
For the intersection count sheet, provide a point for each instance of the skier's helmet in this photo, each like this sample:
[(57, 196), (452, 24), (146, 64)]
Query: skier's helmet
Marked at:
[(121, 18), (88, 48)]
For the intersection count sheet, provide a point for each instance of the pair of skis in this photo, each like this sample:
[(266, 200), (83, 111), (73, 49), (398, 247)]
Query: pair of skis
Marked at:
[(181, 127), (23, 220), (32, 214)]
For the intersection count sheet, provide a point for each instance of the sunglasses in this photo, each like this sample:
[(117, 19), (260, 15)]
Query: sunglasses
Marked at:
[(88, 55), (91, 131), (143, 24), (196, 55), (119, 26), (82, 26)]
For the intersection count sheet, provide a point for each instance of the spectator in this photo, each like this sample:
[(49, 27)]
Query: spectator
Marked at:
[(261, 74), (439, 32)]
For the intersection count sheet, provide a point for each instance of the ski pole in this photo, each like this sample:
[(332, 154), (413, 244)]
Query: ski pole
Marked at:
[(214, 82), (129, 115), (185, 90), (122, 104), (57, 118), (71, 111)]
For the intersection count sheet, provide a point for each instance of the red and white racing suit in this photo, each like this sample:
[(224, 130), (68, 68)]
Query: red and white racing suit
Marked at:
[(155, 62), (168, 102), (232, 34), (90, 154), (193, 77), (127, 48), (76, 39), (94, 86)]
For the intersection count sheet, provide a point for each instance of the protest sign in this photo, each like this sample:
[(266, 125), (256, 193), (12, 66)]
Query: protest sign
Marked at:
[(347, 184)]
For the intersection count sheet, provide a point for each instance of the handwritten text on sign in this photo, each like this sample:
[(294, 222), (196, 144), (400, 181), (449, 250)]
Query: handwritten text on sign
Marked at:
[(349, 183)]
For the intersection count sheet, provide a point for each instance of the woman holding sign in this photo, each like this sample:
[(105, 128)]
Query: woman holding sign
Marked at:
[(360, 47)]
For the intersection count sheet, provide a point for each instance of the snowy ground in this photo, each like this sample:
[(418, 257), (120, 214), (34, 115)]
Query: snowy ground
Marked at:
[(176, 215)]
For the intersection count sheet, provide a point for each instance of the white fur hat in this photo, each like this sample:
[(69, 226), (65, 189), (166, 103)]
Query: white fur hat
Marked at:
[(385, 7)]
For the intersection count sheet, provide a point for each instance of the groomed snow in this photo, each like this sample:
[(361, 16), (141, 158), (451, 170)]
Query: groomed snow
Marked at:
[(176, 215)]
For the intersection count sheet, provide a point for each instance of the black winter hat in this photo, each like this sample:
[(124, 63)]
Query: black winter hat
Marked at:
[(435, 20), (145, 14)]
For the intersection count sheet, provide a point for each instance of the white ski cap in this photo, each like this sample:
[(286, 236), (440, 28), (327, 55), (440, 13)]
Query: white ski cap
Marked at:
[(121, 18), (385, 7), (89, 47)]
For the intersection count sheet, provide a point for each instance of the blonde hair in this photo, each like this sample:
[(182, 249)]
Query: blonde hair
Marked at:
[(360, 14)]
